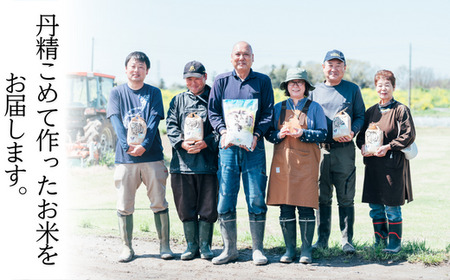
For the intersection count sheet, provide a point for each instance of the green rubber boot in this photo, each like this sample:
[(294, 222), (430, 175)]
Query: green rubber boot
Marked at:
[(289, 229), (191, 235), (307, 228), (257, 226), (346, 221), (229, 236), (163, 228), (206, 231), (323, 227), (126, 234)]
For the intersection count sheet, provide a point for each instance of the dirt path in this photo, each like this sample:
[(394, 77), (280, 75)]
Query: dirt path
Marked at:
[(96, 259)]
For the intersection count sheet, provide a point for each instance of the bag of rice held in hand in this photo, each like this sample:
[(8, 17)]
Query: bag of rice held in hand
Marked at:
[(240, 117), (137, 128), (193, 128), (293, 124), (342, 125), (374, 138)]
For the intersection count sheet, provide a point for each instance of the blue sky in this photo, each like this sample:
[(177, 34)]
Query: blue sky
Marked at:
[(175, 32)]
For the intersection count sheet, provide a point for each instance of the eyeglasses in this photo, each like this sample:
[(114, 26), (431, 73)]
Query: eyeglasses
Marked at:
[(298, 83)]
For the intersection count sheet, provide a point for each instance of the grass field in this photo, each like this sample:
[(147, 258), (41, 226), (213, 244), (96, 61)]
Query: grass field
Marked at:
[(92, 195)]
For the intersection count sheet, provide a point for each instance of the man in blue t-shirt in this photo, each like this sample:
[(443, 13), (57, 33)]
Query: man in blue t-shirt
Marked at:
[(139, 161)]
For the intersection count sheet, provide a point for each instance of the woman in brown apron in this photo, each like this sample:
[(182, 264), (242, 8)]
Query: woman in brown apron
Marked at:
[(298, 125)]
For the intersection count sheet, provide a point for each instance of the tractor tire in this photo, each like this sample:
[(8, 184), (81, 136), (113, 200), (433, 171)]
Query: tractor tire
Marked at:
[(107, 141)]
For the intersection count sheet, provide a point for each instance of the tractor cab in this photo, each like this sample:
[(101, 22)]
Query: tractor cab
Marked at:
[(86, 120)]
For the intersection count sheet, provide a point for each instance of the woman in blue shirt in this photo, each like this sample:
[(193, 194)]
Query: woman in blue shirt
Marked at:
[(298, 125)]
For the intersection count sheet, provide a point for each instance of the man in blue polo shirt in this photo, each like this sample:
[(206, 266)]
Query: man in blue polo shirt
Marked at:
[(242, 83), (139, 163)]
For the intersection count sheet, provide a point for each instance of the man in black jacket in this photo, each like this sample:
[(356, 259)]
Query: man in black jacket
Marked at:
[(193, 167)]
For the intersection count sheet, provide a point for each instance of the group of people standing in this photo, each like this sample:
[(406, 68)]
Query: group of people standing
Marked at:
[(307, 162)]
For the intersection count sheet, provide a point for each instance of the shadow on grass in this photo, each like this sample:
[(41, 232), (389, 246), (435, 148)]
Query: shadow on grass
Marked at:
[(412, 251)]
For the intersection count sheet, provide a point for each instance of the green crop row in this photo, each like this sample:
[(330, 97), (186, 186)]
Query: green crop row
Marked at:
[(421, 99)]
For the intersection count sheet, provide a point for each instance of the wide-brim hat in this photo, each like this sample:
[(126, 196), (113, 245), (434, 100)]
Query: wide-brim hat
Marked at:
[(296, 74)]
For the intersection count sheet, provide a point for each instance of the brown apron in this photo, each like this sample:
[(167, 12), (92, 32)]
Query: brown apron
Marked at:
[(294, 172)]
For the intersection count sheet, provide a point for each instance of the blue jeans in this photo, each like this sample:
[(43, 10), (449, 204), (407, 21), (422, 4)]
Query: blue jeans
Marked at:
[(380, 212), (233, 162)]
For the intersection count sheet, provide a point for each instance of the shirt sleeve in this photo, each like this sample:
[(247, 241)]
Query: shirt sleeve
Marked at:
[(272, 133), (361, 137), (407, 131), (120, 130), (152, 127), (267, 100), (317, 125), (358, 112), (215, 110), (113, 104), (212, 141), (156, 114), (174, 132), (157, 107)]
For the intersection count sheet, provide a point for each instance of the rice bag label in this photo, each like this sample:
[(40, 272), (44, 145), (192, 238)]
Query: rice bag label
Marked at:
[(240, 117)]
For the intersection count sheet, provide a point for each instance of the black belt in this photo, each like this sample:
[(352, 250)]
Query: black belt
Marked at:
[(329, 146)]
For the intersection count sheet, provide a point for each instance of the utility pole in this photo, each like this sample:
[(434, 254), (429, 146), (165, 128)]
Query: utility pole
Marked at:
[(410, 78), (92, 56)]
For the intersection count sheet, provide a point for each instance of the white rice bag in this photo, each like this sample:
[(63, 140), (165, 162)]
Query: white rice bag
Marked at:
[(193, 127), (373, 138), (342, 125)]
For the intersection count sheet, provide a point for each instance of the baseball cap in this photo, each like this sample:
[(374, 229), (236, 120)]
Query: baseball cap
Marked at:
[(194, 69), (334, 54)]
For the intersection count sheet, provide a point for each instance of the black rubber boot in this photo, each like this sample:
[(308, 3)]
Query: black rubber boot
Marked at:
[(205, 239), (126, 234), (257, 226), (395, 238), (307, 228), (380, 228), (229, 236), (163, 228), (346, 221), (289, 229), (191, 235), (323, 227)]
